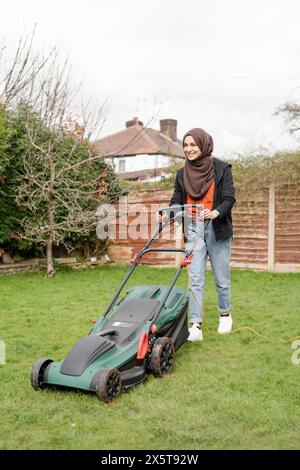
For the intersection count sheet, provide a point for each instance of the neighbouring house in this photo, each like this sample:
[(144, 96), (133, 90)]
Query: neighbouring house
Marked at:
[(140, 153)]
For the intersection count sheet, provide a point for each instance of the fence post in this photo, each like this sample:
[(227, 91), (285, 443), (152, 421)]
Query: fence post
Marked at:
[(271, 228)]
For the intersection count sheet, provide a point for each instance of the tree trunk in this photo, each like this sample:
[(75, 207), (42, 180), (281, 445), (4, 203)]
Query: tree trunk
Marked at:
[(50, 266), (49, 244), (51, 219)]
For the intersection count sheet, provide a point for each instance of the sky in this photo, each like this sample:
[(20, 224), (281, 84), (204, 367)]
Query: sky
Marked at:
[(221, 65)]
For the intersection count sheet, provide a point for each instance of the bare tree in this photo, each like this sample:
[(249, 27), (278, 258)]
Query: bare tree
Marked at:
[(290, 112), (60, 195), (25, 66), (63, 180)]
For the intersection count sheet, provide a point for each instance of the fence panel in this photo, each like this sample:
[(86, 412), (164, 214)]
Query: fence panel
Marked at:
[(256, 244)]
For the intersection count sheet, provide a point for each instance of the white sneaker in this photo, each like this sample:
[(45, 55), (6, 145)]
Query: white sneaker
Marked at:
[(195, 333), (225, 325)]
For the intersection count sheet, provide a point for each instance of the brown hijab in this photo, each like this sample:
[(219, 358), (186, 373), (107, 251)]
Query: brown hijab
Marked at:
[(198, 174)]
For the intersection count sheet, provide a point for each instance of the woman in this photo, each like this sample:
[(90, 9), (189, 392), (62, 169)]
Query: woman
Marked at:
[(207, 180)]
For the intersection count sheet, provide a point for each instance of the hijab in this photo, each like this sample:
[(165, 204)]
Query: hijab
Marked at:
[(198, 174)]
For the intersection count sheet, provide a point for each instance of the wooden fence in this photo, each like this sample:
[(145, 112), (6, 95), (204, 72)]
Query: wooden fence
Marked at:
[(266, 230)]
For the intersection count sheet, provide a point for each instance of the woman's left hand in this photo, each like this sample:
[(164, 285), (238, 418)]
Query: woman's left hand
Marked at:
[(207, 214)]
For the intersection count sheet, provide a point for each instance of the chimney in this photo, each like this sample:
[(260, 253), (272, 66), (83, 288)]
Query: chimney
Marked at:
[(134, 122), (168, 127)]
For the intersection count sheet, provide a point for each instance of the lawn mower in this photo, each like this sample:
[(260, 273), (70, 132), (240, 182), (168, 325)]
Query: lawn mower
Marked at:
[(136, 334)]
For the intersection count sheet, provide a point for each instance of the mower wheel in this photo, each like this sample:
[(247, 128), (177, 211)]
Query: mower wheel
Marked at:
[(37, 373), (162, 357), (108, 385)]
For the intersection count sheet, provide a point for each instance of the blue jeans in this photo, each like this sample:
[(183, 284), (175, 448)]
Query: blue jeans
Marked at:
[(219, 255)]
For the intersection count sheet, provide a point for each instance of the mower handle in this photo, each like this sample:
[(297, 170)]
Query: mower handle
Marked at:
[(146, 249), (180, 210), (173, 212)]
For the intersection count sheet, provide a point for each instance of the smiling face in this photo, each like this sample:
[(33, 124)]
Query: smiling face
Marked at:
[(190, 148)]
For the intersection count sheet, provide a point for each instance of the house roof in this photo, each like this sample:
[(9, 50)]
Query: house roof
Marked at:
[(137, 140)]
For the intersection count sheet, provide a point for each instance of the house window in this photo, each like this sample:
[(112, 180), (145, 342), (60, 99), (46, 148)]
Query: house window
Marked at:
[(121, 165)]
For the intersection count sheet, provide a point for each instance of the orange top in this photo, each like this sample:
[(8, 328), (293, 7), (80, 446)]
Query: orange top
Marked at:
[(207, 201)]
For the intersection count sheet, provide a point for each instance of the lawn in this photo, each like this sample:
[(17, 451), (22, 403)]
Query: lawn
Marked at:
[(239, 391)]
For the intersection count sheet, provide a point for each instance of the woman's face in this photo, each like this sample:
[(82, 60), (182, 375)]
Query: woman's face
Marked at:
[(190, 148)]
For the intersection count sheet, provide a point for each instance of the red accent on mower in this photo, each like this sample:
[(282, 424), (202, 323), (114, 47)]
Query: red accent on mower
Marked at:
[(143, 346), (186, 261)]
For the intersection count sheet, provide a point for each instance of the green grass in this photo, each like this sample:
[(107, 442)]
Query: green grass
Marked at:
[(238, 391)]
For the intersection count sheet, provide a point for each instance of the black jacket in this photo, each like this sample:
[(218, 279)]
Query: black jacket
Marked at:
[(224, 197)]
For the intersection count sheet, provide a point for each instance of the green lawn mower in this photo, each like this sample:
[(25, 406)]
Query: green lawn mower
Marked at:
[(137, 334)]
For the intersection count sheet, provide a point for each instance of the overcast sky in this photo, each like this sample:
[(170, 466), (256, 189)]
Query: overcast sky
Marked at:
[(221, 65)]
